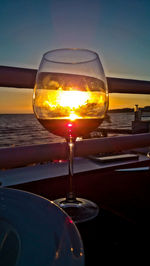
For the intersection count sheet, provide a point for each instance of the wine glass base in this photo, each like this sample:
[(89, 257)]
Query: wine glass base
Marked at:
[(80, 210)]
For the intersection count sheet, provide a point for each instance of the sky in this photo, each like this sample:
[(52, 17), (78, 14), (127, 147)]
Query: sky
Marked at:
[(117, 30)]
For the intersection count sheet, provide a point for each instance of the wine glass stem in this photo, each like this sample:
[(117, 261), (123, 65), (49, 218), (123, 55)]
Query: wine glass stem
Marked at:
[(71, 144)]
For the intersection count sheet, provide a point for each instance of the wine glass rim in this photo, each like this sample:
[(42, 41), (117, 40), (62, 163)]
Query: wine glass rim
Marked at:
[(95, 56)]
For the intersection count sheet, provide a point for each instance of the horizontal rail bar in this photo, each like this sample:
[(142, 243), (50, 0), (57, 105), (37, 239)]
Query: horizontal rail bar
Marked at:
[(120, 85), (21, 156), (25, 78), (17, 77)]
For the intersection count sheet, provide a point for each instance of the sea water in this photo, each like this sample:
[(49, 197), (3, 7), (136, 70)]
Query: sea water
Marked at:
[(24, 129)]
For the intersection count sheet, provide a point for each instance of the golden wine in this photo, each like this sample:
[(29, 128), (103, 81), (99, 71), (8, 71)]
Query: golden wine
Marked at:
[(69, 104)]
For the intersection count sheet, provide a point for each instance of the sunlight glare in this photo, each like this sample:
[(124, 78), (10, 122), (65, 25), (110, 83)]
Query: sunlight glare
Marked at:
[(73, 116), (73, 99)]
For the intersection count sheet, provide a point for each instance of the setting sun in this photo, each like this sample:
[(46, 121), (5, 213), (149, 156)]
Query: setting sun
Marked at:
[(69, 99), (73, 116), (73, 99), (70, 103)]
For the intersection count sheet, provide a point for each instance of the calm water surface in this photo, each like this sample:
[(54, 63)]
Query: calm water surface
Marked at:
[(24, 129)]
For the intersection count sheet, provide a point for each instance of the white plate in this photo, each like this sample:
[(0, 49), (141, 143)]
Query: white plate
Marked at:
[(34, 231)]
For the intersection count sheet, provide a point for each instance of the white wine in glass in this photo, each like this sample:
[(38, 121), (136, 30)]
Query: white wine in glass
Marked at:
[(70, 100)]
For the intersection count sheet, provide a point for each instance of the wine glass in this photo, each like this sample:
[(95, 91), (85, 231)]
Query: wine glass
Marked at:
[(70, 99)]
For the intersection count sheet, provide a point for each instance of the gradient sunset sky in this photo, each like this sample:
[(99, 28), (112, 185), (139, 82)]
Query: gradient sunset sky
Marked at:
[(119, 30)]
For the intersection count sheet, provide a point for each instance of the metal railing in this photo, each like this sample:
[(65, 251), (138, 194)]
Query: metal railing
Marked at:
[(25, 78), (20, 156)]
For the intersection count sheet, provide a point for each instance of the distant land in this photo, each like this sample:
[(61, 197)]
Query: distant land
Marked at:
[(126, 110)]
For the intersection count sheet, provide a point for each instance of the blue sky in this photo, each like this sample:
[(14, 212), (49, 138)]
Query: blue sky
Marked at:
[(119, 30)]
